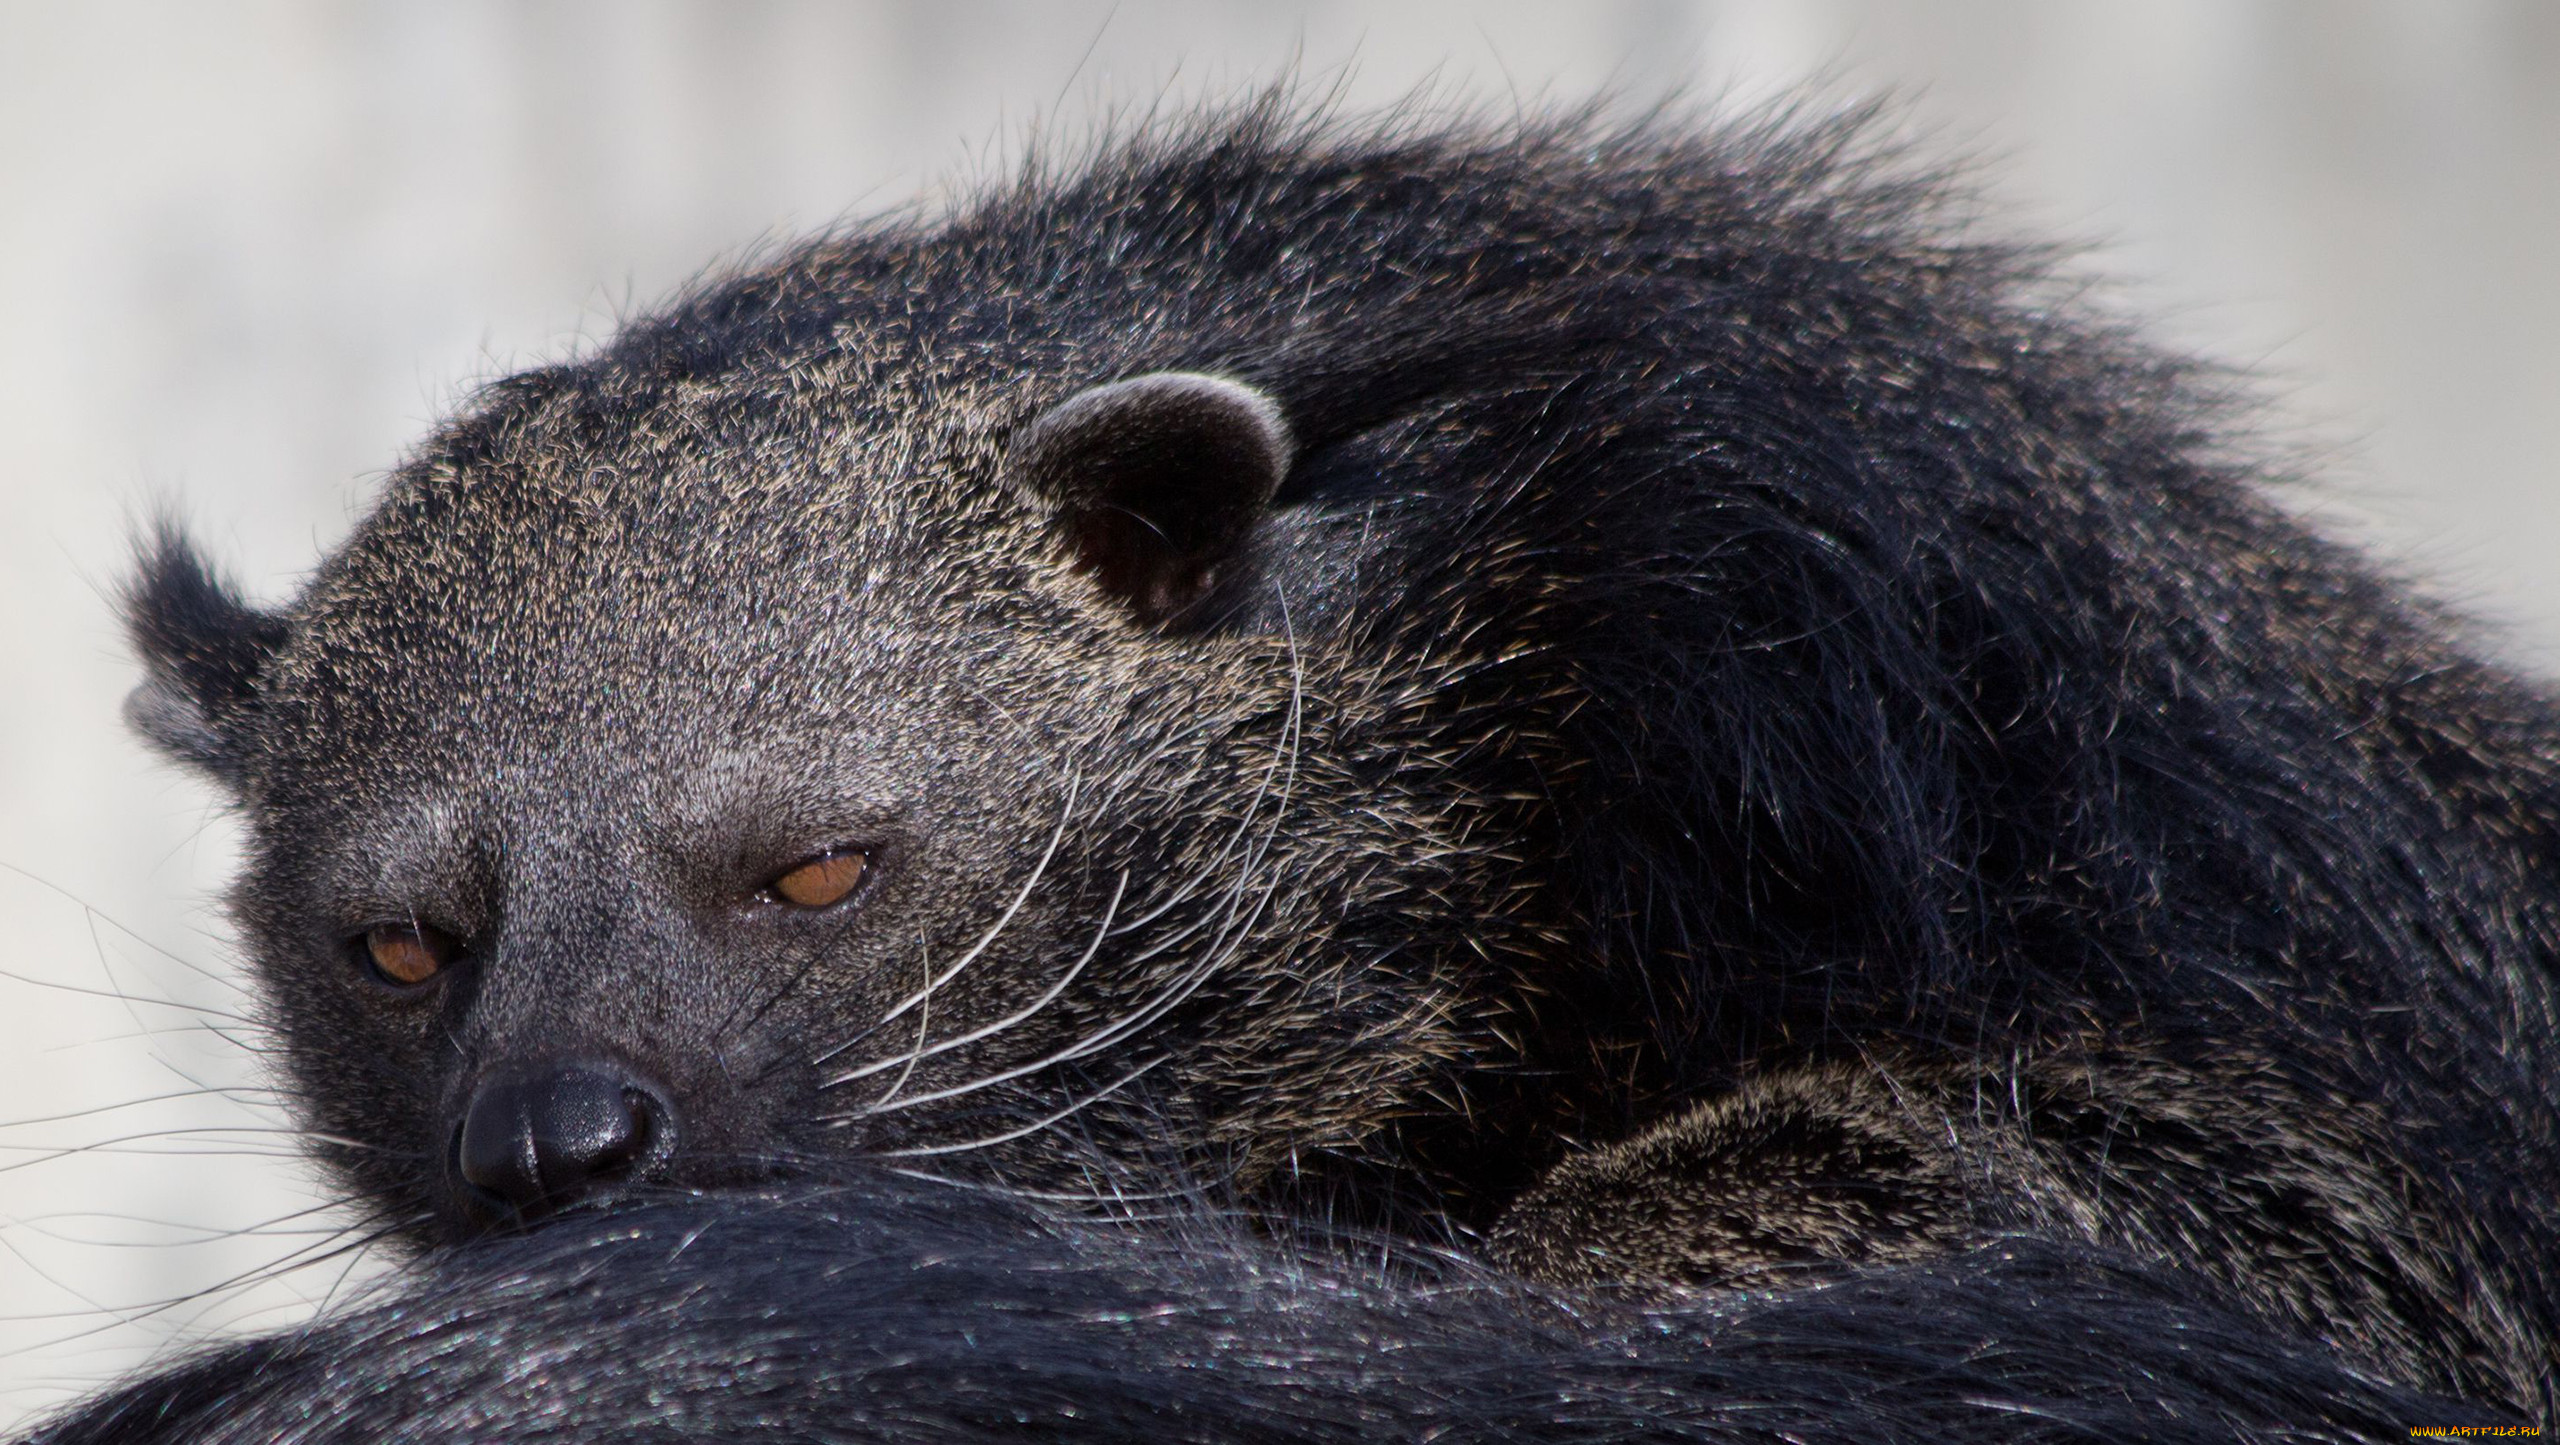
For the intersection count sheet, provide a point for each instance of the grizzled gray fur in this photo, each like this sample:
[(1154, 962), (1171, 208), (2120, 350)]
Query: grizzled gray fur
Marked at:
[(1627, 699)]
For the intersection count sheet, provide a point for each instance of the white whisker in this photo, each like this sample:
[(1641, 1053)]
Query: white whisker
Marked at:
[(1034, 1127), (1243, 829), (916, 999), (1008, 1021), (1239, 860), (924, 1021), (1008, 1191), (1232, 930)]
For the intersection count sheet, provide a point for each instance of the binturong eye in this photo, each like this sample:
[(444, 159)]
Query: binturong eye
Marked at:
[(823, 881), (405, 955)]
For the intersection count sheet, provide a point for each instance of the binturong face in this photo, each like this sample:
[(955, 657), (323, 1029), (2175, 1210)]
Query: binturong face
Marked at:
[(685, 785)]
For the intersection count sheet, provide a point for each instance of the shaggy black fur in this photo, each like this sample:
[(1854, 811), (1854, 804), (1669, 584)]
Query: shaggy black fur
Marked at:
[(1625, 696), (888, 1314)]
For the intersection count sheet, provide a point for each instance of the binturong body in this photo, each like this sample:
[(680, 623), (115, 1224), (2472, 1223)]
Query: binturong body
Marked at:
[(1625, 698)]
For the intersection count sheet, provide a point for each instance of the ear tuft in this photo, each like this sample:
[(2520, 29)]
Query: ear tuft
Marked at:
[(202, 650), (1157, 481)]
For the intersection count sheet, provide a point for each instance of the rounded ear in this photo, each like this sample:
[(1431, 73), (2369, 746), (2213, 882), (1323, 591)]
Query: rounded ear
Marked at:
[(202, 652), (1156, 480)]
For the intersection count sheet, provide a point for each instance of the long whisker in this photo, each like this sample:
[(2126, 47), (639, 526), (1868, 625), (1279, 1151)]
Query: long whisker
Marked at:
[(44, 1224), (1109, 1033), (1233, 930), (117, 1145), (1008, 1191), (227, 1091), (1243, 829), (357, 1237), (122, 997), (924, 1020), (1056, 836), (1008, 1021), (1034, 1127), (96, 917), (1166, 1000)]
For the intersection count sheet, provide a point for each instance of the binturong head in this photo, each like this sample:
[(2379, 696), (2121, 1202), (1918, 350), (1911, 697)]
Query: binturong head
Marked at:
[(680, 782)]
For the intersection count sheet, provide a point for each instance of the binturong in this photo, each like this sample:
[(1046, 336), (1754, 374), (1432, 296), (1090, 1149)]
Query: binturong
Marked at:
[(1626, 699)]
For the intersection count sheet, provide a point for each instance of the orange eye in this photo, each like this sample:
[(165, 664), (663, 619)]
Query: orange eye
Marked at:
[(407, 954), (826, 879)]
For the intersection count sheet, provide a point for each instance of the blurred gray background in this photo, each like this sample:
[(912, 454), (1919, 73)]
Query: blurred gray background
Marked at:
[(248, 251)]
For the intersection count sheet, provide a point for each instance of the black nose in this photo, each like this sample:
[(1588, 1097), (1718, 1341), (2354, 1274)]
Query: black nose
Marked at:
[(540, 1137)]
